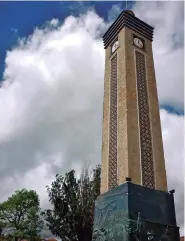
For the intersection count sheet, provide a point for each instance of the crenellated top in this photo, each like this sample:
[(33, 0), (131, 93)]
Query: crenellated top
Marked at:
[(128, 19)]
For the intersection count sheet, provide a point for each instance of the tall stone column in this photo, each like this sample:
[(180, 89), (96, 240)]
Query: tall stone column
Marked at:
[(134, 203), (132, 139)]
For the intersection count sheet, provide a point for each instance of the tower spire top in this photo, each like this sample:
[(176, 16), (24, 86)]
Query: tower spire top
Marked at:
[(129, 11), (127, 8)]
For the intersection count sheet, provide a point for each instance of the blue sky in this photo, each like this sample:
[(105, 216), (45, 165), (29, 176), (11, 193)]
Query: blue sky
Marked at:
[(52, 94), (19, 19)]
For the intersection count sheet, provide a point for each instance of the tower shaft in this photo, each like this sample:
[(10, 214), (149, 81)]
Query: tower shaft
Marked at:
[(132, 140)]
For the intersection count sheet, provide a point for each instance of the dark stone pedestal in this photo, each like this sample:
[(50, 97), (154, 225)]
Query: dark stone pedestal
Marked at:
[(132, 212)]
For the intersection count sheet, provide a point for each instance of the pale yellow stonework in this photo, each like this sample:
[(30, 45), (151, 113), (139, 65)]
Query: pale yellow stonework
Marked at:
[(105, 131), (128, 156)]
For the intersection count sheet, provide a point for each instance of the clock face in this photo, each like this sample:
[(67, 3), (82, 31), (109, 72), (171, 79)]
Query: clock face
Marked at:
[(115, 46), (138, 42)]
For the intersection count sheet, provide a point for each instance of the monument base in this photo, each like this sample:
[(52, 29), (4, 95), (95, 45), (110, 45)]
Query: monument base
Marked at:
[(132, 212)]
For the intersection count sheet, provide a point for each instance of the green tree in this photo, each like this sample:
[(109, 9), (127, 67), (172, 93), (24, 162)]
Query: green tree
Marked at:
[(20, 215), (71, 217)]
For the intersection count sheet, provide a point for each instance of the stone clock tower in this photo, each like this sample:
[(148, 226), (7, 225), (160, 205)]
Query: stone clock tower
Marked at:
[(132, 140), (134, 203)]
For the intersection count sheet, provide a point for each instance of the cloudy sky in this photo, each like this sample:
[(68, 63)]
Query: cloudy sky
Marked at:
[(51, 95)]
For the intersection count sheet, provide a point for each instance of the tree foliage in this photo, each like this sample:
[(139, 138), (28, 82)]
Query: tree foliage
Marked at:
[(71, 218), (20, 214)]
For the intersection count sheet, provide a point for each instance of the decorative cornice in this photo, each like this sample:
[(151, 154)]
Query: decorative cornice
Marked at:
[(127, 18)]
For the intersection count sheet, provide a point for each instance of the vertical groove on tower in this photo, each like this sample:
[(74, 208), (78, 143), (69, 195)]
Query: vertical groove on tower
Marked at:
[(147, 165), (113, 126)]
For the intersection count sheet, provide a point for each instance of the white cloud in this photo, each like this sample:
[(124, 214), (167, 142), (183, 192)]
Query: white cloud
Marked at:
[(114, 12), (35, 179), (54, 22), (173, 138), (168, 20), (52, 98)]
